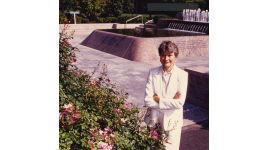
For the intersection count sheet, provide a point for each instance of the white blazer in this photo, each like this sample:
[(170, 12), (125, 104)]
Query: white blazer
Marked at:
[(171, 108)]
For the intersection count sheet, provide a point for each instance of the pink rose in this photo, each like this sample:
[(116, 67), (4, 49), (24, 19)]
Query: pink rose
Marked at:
[(127, 105), (154, 134), (109, 147), (164, 142), (91, 142), (75, 114), (106, 137), (151, 133), (112, 135), (68, 107), (117, 111), (77, 73), (100, 132), (108, 129), (102, 144), (68, 110), (91, 131), (60, 115), (73, 119)]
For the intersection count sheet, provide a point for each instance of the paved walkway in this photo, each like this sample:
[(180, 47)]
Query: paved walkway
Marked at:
[(132, 75), (195, 136)]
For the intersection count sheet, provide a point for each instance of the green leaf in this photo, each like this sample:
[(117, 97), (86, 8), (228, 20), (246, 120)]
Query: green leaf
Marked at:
[(70, 142)]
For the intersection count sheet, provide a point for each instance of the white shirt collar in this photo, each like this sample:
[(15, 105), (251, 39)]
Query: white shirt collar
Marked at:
[(171, 71)]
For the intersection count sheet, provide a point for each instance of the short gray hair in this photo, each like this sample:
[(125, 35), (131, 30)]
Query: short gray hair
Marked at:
[(168, 46)]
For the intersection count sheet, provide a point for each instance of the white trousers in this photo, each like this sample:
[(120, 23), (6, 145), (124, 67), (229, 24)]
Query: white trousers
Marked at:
[(174, 136)]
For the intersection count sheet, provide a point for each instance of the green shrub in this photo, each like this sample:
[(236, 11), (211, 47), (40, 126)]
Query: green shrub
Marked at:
[(78, 19), (139, 20), (103, 15), (100, 20), (107, 20), (123, 19), (93, 113), (62, 17), (160, 16), (61, 20), (111, 20), (84, 20)]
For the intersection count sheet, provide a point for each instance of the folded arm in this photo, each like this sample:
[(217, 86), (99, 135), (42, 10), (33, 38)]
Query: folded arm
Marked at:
[(177, 103)]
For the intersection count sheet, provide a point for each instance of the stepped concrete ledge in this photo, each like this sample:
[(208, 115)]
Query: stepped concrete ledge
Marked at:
[(132, 75), (86, 27)]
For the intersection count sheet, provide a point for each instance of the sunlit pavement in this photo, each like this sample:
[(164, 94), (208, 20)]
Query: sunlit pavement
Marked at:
[(132, 76)]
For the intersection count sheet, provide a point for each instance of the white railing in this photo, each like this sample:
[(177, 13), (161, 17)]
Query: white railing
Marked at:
[(136, 17), (148, 21)]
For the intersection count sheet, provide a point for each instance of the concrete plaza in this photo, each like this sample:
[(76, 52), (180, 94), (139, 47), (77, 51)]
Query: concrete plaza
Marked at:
[(132, 75)]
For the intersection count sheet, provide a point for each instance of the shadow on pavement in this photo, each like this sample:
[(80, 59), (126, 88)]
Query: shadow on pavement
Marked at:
[(195, 136), (204, 124)]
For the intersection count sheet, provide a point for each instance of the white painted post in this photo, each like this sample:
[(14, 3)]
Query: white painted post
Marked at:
[(74, 19)]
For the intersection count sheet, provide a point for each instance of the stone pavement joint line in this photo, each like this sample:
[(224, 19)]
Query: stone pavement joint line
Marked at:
[(133, 75)]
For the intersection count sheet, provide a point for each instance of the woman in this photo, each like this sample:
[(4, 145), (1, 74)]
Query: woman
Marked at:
[(165, 94)]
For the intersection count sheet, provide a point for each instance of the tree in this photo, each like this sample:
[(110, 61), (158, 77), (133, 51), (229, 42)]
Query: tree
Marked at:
[(128, 6), (68, 5), (91, 7), (114, 8)]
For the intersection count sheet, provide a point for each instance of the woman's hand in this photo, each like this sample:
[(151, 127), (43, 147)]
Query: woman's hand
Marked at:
[(156, 98), (177, 96)]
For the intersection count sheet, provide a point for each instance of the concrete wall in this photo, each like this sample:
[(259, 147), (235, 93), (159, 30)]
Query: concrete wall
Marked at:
[(198, 89), (145, 49)]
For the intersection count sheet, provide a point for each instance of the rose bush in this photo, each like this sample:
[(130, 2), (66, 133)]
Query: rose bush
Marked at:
[(93, 114)]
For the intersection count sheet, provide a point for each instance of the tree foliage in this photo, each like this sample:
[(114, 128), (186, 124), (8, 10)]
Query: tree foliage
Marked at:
[(114, 8), (91, 7), (85, 7), (128, 6), (68, 5)]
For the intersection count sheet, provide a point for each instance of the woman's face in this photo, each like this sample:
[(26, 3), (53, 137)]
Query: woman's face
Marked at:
[(167, 59)]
